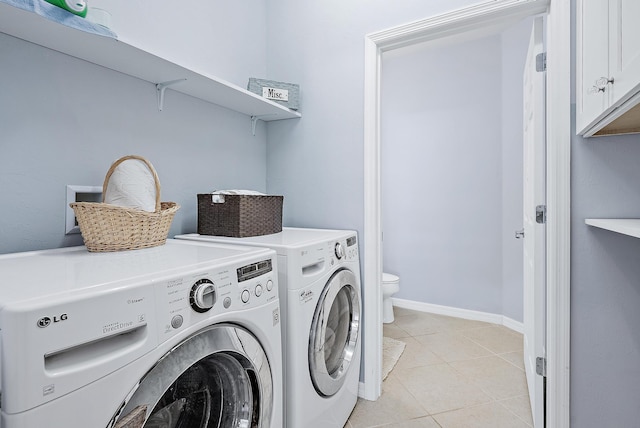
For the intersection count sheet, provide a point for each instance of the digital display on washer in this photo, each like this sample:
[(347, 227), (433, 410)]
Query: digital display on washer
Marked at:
[(351, 241), (253, 270)]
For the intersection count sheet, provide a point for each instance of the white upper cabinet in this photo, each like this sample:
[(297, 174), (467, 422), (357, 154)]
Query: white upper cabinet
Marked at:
[(608, 67), (624, 60), (592, 60)]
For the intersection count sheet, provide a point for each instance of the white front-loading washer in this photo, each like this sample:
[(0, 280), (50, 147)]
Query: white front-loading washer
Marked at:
[(181, 335), (319, 273)]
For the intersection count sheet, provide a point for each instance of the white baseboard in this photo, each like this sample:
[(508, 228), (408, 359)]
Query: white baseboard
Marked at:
[(459, 313), (513, 324)]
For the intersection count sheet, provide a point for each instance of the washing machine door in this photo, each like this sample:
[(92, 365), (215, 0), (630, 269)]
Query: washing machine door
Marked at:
[(334, 333), (218, 377)]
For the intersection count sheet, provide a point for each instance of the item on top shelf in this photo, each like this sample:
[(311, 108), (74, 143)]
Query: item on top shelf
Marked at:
[(239, 213), (30, 28), (287, 94), (77, 7), (108, 227), (99, 16)]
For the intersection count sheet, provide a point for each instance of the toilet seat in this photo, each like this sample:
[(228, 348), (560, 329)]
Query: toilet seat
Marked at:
[(389, 277)]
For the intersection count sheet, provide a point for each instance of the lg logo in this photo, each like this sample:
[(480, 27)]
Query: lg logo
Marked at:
[(46, 321)]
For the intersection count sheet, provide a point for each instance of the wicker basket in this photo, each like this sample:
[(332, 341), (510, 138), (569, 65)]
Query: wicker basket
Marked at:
[(107, 227), (239, 216)]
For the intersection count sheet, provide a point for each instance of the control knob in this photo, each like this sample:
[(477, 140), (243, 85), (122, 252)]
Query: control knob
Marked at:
[(339, 250), (202, 296)]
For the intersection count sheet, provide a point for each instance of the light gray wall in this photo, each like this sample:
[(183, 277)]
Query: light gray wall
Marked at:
[(216, 37), (442, 172), (605, 284), (63, 121)]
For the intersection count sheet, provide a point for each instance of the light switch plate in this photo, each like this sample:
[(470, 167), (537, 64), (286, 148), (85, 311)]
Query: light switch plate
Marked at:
[(79, 194)]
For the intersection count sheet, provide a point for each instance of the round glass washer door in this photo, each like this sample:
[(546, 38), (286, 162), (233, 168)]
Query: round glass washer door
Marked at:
[(218, 377), (334, 333)]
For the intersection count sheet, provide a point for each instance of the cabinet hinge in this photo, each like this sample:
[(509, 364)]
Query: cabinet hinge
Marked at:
[(541, 214), (541, 366), (541, 62)]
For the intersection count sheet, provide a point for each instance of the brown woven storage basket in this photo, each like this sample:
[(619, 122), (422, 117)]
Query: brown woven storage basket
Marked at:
[(239, 216), (107, 227)]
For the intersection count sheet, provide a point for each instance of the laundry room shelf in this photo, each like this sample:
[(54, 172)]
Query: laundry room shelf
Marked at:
[(625, 226), (126, 58)]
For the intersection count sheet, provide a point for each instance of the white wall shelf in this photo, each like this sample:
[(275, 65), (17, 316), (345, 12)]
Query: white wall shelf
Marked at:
[(625, 226), (125, 58)]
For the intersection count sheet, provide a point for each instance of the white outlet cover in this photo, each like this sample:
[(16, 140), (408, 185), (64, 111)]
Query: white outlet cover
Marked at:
[(72, 195)]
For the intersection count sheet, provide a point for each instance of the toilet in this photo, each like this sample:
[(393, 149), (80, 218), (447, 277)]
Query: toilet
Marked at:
[(390, 286)]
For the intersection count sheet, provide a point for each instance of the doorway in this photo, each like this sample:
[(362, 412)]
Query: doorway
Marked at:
[(451, 179), (481, 16)]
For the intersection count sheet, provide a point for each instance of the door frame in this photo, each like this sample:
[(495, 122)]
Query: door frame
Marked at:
[(476, 17)]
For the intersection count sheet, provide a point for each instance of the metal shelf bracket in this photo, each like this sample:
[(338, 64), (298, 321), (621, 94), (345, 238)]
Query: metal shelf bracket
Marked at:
[(161, 87), (254, 121)]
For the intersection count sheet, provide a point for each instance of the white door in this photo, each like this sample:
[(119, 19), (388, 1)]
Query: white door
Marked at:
[(534, 313)]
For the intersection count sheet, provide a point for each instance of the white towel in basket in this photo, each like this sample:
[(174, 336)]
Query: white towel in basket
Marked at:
[(132, 185), (217, 196)]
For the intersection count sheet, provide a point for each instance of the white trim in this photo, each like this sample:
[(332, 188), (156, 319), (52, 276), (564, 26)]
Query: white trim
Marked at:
[(512, 324), (458, 21), (72, 196), (450, 311), (467, 314), (372, 312), (558, 213), (558, 178)]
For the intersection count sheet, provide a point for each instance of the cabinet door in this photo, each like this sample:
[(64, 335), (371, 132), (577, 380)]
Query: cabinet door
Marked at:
[(592, 62), (624, 56)]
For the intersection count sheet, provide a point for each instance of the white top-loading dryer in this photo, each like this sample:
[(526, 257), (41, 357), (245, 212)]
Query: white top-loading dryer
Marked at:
[(178, 335), (319, 273)]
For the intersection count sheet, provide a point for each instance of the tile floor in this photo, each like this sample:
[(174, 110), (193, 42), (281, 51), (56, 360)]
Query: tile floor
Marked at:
[(453, 373)]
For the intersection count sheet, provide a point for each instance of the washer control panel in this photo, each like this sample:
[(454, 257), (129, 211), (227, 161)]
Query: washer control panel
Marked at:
[(347, 249), (203, 295), (189, 299), (338, 249), (246, 274), (352, 248)]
